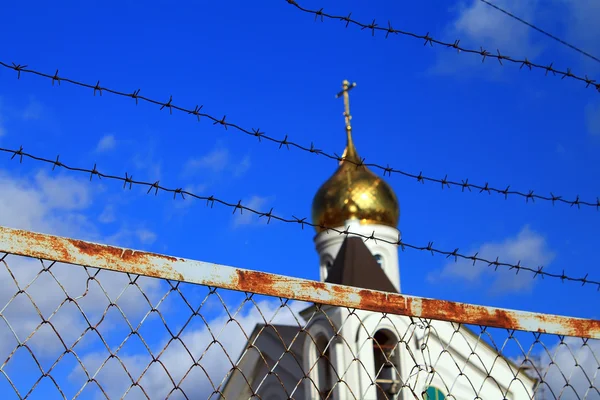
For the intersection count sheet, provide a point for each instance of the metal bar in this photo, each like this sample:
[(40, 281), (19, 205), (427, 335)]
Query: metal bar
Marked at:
[(73, 251)]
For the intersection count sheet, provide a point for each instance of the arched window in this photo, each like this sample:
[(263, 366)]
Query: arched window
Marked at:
[(326, 264), (433, 393), (379, 259), (387, 364), (324, 368)]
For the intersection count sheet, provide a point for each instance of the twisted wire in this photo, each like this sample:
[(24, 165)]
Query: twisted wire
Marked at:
[(373, 27), (559, 40), (184, 344), (387, 170), (211, 200)]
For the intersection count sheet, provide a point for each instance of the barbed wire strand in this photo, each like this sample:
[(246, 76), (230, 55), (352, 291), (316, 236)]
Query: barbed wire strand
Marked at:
[(559, 40), (373, 27), (387, 170), (211, 200)]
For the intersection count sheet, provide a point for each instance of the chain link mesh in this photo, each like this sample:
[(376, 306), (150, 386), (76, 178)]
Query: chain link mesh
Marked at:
[(70, 331)]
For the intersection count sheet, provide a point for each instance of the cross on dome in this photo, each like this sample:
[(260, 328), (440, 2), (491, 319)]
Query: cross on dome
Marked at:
[(354, 191)]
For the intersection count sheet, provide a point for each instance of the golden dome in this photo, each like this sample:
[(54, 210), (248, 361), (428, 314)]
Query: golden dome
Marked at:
[(354, 192)]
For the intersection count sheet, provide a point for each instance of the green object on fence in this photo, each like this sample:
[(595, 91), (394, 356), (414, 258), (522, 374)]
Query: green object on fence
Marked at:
[(433, 393)]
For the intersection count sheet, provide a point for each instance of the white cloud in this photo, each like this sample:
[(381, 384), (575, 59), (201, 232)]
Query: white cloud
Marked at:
[(108, 214), (570, 362), (242, 167), (176, 358), (2, 128), (46, 291), (63, 192), (56, 205), (106, 143), (528, 247), (145, 236), (592, 118), (478, 24), (146, 160), (128, 236), (215, 161), (569, 368), (582, 26), (33, 111), (49, 204), (246, 217)]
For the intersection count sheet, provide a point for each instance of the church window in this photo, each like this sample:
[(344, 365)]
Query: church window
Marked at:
[(379, 259), (327, 263), (387, 364), (324, 368), (433, 393), (328, 266)]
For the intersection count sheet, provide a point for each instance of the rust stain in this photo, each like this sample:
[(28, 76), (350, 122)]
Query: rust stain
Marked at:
[(340, 290), (315, 285), (128, 255), (279, 286), (382, 302), (479, 315), (137, 262), (581, 327), (145, 263), (464, 313), (254, 281), (575, 326), (58, 247)]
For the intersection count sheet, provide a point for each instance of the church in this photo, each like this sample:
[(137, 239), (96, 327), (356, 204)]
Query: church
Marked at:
[(354, 354)]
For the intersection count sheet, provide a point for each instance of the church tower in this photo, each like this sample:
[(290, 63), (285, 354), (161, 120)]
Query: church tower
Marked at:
[(346, 354), (355, 198), (354, 347)]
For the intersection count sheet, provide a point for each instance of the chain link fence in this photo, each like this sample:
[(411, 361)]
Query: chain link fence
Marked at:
[(87, 321)]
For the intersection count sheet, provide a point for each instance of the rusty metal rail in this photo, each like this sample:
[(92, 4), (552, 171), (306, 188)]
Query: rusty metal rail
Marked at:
[(83, 320), (72, 251)]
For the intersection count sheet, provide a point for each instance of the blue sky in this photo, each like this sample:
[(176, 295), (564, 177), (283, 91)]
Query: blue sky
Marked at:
[(272, 67)]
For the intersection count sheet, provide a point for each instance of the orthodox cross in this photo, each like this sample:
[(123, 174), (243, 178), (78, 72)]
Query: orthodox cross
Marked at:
[(346, 87)]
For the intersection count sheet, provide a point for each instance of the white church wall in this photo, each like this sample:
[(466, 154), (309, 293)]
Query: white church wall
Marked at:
[(370, 324), (328, 245), (319, 328), (467, 365), (463, 364), (344, 355), (350, 363)]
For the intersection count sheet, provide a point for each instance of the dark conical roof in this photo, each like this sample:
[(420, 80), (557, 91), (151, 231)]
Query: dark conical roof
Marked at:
[(355, 266)]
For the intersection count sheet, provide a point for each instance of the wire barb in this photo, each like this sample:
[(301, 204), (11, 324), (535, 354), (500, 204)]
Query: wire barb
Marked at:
[(430, 40), (309, 149), (295, 220), (561, 41)]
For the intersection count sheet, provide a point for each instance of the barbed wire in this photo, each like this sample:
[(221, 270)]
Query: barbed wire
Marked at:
[(559, 40), (373, 27), (211, 200), (387, 170)]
